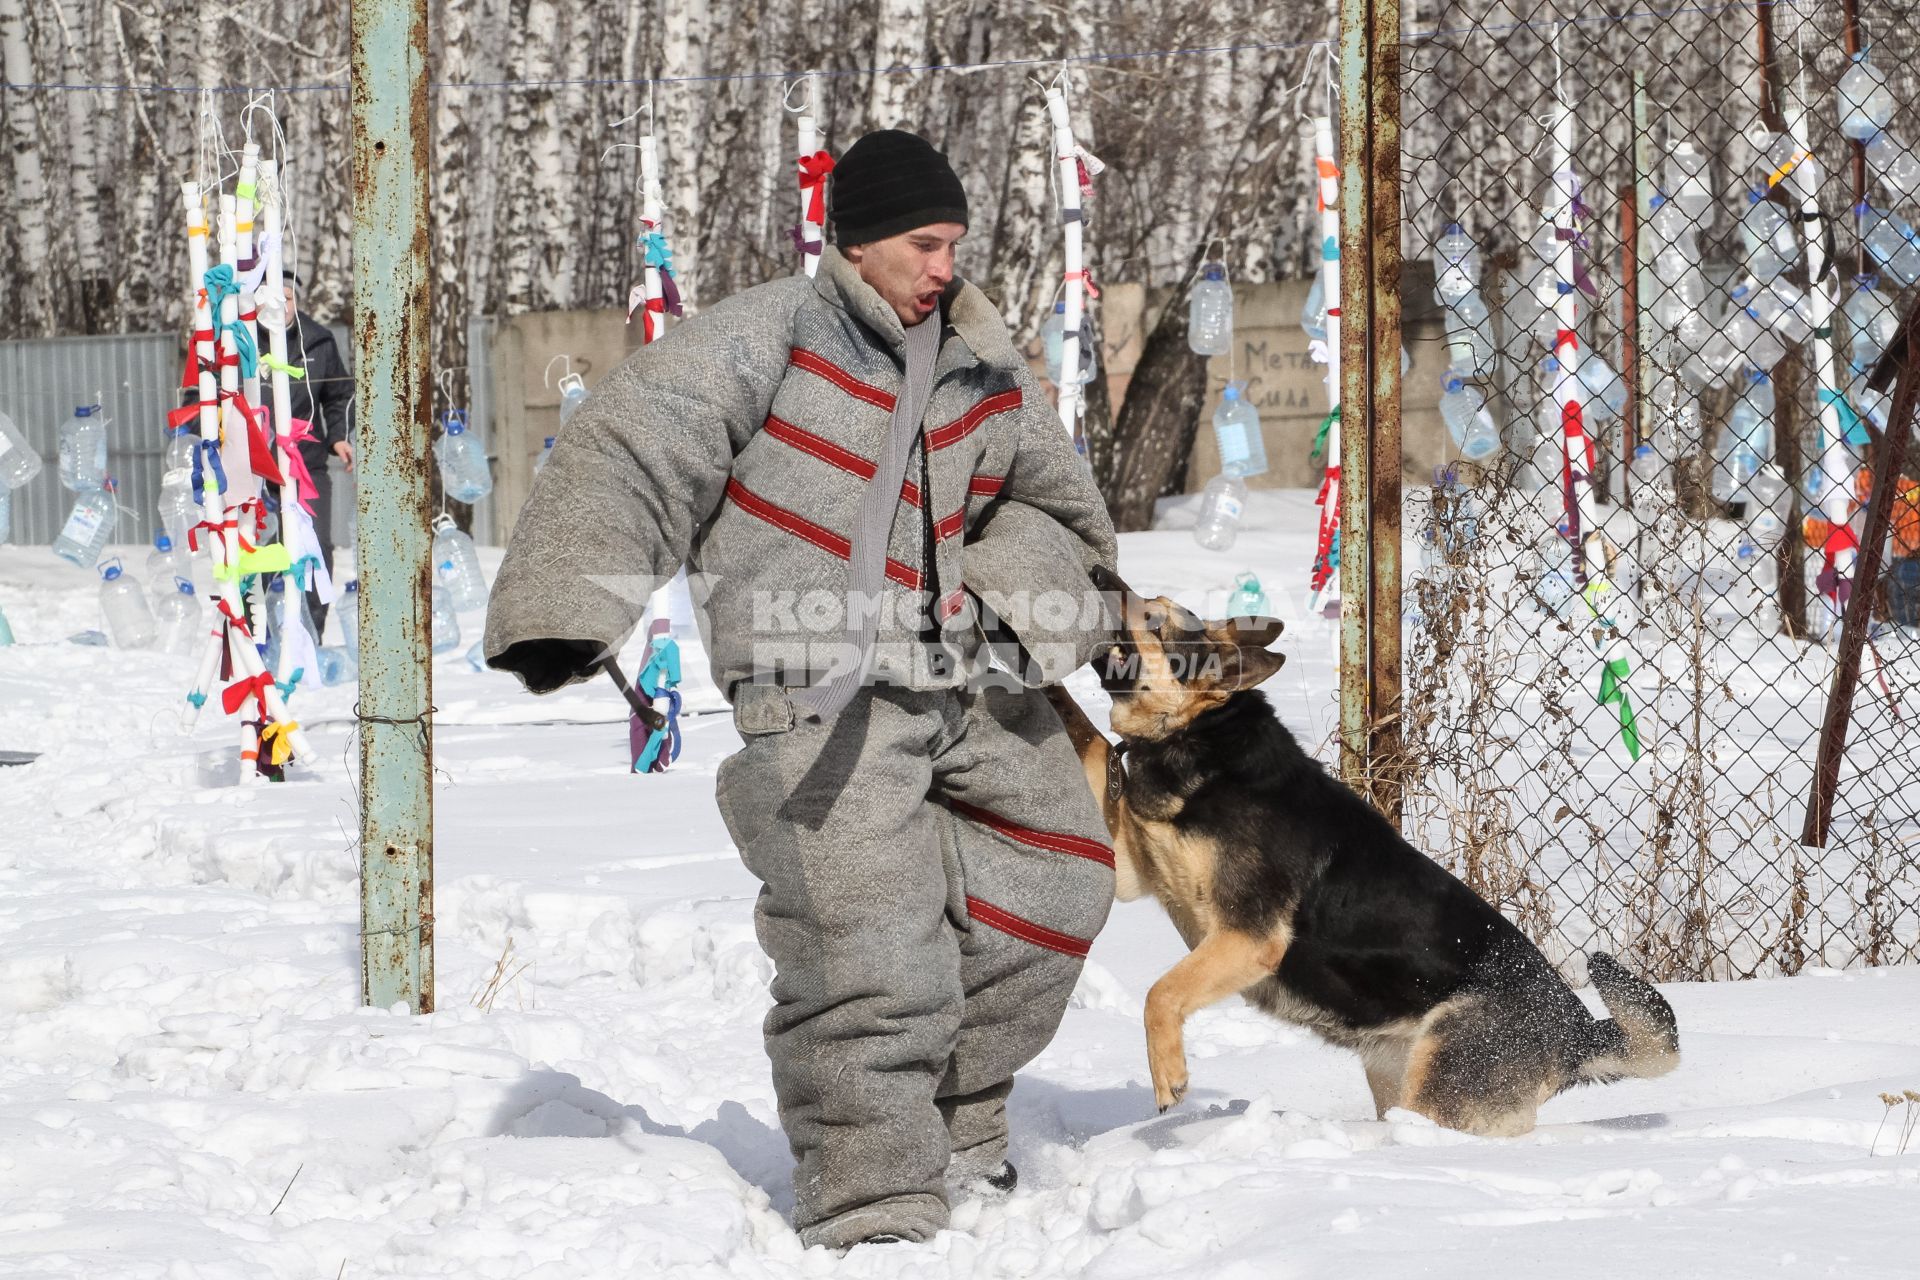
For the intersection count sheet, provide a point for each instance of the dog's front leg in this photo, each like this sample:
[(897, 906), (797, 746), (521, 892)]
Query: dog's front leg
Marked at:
[(1225, 963)]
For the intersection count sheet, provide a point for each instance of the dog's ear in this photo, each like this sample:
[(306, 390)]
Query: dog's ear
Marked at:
[(1245, 659)]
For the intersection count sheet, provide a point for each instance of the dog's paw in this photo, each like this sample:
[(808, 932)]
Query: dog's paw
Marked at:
[(1170, 1084)]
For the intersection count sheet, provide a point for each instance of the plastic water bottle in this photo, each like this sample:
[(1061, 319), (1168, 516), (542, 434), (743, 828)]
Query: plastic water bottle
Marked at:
[(1210, 312), (456, 566), (573, 394), (546, 451), (6, 515), (1866, 104), (1456, 266), (1464, 409), (1890, 241), (1769, 503), (176, 507), (476, 657), (1768, 233), (463, 460), (1871, 322), (1236, 426), (1221, 505), (1687, 185), (1313, 312), (1754, 346), (129, 622), (348, 611), (83, 449), (176, 611), (18, 462), (1248, 600), (1470, 345), (337, 664), (1734, 463), (166, 562), (1895, 165), (1053, 339), (6, 632), (446, 627), (88, 528)]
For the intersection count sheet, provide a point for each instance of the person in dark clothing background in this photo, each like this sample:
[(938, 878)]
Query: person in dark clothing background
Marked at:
[(324, 398)]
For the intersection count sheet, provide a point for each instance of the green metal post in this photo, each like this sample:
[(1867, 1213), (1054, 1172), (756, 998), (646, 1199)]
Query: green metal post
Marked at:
[(1370, 457), (391, 386)]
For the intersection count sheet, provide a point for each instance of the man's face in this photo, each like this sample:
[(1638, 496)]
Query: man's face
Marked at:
[(910, 270), (287, 290)]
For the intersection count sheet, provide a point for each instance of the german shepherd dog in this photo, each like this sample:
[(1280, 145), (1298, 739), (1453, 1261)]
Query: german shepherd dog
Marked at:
[(1293, 891)]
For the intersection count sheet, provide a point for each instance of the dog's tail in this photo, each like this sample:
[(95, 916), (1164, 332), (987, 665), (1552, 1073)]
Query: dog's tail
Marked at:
[(1641, 1038)]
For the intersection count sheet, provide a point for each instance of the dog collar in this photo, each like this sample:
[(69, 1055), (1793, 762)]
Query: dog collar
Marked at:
[(1116, 770)]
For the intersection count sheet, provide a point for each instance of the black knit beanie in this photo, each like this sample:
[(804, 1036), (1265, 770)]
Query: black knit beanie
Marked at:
[(888, 182)]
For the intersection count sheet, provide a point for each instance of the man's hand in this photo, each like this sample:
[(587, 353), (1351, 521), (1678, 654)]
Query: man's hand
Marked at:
[(344, 451)]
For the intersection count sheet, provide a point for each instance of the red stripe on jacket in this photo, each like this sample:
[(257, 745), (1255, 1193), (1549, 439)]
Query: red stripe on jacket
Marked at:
[(806, 530), (967, 423), (852, 463), (1054, 841), (820, 366), (1026, 930)]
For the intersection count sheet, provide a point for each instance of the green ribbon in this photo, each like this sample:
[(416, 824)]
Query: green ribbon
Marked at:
[(1613, 688), (1320, 436), (1852, 428), (275, 362)]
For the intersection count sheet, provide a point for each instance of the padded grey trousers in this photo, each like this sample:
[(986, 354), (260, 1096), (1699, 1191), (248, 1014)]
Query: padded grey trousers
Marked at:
[(933, 870)]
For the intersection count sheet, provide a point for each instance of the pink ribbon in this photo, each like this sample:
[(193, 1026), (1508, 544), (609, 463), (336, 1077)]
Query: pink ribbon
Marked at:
[(304, 488)]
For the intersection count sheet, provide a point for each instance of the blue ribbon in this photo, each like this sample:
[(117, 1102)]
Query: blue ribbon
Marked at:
[(209, 452), (660, 257), (220, 285), (656, 682)]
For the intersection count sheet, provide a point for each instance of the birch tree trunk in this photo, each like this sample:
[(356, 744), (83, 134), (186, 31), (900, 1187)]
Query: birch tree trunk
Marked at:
[(900, 40), (452, 154), (681, 112), (33, 288)]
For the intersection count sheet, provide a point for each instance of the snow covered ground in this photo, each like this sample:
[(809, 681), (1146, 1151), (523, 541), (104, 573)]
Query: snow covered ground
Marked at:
[(188, 1089)]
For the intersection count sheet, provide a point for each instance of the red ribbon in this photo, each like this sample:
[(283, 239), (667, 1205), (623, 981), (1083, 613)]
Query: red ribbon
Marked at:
[(813, 179), (184, 414), (235, 695), (215, 527), (304, 489), (1086, 278), (259, 447), (655, 307)]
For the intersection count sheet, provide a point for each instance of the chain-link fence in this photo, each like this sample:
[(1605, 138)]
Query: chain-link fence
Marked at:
[(1670, 240)]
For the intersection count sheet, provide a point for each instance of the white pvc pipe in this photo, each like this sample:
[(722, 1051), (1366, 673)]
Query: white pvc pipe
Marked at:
[(1067, 160), (1327, 193), (811, 232), (1576, 457), (652, 214)]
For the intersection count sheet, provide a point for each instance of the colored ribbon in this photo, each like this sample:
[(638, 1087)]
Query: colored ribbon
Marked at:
[(304, 490), (235, 695), (813, 180), (800, 242), (276, 736), (1085, 278), (1613, 689), (206, 455), (260, 459), (1581, 281), (1852, 428), (660, 257), (221, 285), (1320, 436), (657, 680), (278, 365)]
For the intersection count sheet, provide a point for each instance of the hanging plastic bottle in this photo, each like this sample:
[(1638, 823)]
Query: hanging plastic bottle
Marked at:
[(1734, 463), (1687, 185), (1053, 339), (1606, 390), (166, 561), (1782, 306), (1871, 322), (1456, 266), (89, 526), (337, 664), (446, 626), (1752, 344), (1769, 502), (348, 611), (456, 566), (83, 449), (1209, 313), (463, 460), (1236, 426), (1866, 104), (176, 612), (1464, 409), (1313, 312), (573, 394), (546, 451), (1752, 415), (1222, 504), (18, 462), (286, 609), (1895, 165), (1470, 345), (1248, 600), (1890, 241), (129, 622), (1768, 233)]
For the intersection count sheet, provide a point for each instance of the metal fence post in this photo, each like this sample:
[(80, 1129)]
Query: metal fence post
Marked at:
[(1370, 400), (390, 334)]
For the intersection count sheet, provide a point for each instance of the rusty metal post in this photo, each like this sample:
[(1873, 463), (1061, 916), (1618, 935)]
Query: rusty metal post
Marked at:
[(1901, 365), (391, 386), (1370, 755)]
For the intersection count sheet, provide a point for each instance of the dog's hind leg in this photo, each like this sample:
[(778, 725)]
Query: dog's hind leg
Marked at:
[(1385, 1061), (1477, 1068), (1225, 962)]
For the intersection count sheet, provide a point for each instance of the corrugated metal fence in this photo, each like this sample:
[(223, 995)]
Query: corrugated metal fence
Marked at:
[(136, 378)]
